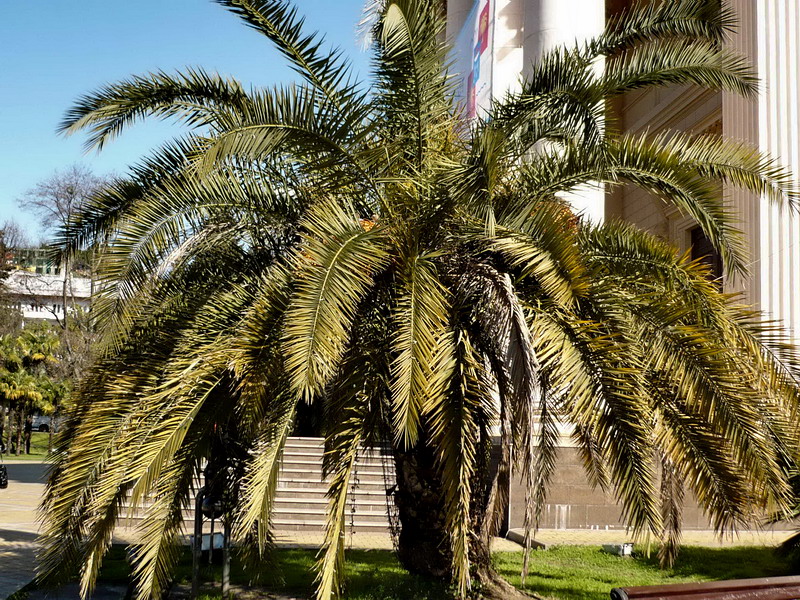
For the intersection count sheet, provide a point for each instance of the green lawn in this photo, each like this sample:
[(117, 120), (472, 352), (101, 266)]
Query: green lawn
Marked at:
[(39, 443), (585, 572), (562, 573)]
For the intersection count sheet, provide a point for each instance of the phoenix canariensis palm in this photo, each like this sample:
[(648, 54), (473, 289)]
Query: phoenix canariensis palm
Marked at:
[(369, 251)]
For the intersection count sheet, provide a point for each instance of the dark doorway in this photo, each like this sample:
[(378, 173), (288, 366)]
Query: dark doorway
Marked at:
[(704, 250)]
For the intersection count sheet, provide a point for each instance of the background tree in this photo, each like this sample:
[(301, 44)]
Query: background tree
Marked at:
[(25, 385), (418, 277), (12, 238), (54, 200)]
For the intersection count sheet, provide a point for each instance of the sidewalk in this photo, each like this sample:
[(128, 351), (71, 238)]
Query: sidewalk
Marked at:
[(18, 527)]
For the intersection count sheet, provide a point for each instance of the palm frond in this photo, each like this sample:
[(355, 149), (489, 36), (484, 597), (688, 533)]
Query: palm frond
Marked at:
[(342, 448), (410, 66), (194, 97), (735, 163), (155, 557), (454, 416), (260, 482), (707, 20), (662, 172), (329, 72), (661, 63), (420, 320), (671, 511), (331, 279)]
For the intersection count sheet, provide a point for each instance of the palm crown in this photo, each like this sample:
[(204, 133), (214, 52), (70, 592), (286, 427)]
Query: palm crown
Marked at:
[(420, 277)]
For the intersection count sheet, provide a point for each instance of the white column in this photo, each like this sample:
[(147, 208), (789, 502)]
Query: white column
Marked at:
[(508, 51), (778, 24), (551, 23), (457, 11)]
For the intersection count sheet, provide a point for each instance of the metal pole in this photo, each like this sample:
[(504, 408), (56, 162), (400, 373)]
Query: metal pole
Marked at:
[(197, 547), (211, 544), (226, 558)]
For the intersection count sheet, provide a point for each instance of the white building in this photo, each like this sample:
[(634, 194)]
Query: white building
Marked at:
[(496, 41), (41, 296)]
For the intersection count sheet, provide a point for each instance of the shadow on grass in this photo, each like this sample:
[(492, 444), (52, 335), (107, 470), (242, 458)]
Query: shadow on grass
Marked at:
[(741, 562), (370, 574)]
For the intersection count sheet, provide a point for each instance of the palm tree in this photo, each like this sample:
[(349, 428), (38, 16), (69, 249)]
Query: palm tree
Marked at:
[(24, 384), (418, 277)]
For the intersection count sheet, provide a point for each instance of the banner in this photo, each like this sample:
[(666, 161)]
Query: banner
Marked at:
[(474, 57)]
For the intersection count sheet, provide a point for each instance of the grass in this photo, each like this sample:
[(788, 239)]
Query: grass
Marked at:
[(39, 443), (587, 573), (559, 573)]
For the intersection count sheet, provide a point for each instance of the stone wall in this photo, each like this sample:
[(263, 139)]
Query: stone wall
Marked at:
[(573, 504)]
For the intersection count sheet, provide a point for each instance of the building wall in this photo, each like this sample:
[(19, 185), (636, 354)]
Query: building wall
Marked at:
[(572, 503), (45, 307), (40, 296), (740, 122), (684, 109), (769, 35)]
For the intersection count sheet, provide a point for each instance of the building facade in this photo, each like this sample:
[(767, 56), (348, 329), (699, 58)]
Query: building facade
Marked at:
[(39, 296), (513, 34), (34, 260), (496, 41)]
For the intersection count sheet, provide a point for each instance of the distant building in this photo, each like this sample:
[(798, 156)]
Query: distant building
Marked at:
[(34, 260), (40, 296)]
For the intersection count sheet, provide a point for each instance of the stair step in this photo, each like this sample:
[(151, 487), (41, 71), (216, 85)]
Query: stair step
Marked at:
[(316, 461), (321, 504), (300, 492), (300, 471), (301, 514), (301, 502), (299, 524), (306, 483), (321, 498), (319, 444), (315, 466)]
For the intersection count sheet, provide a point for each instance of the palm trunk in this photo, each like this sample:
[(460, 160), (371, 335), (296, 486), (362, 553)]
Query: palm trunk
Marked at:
[(11, 415), (20, 417), (424, 544)]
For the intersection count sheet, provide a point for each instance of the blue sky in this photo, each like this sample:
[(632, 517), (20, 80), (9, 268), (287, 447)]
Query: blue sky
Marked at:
[(53, 52)]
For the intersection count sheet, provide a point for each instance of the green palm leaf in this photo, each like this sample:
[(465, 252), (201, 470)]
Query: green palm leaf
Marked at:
[(331, 281), (420, 318)]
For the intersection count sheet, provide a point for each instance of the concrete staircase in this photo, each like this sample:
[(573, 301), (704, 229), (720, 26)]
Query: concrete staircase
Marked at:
[(301, 502)]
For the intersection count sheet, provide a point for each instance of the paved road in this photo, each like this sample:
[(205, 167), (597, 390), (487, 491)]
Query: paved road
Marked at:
[(18, 525)]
